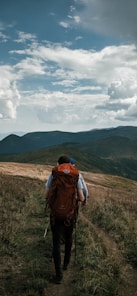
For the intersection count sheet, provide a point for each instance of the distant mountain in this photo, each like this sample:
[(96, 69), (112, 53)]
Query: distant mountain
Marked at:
[(3, 135), (29, 142), (111, 151)]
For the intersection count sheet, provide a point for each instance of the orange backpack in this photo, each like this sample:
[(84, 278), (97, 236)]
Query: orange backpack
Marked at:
[(62, 197)]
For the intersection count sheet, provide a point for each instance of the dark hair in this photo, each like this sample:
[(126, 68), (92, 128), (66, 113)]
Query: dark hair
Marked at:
[(63, 159)]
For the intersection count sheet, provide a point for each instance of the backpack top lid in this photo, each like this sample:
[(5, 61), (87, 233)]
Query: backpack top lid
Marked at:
[(66, 168)]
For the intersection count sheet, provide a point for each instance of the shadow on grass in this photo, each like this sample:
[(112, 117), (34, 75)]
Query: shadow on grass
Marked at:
[(29, 273)]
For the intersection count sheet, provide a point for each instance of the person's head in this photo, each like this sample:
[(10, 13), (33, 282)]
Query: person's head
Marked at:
[(72, 161), (63, 159)]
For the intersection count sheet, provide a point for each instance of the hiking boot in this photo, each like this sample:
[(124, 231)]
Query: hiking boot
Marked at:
[(58, 278)]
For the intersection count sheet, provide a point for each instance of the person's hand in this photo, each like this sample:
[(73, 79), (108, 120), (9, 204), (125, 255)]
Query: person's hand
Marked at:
[(84, 202)]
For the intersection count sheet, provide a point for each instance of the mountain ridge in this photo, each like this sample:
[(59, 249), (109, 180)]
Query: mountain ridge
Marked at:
[(38, 140)]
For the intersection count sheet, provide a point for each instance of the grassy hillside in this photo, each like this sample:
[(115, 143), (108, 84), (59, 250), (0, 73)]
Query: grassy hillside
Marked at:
[(104, 261), (112, 147), (87, 157)]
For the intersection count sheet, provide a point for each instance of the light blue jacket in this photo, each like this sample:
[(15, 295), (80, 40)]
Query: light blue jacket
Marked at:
[(84, 187)]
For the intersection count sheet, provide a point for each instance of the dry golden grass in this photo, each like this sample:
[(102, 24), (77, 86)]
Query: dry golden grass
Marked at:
[(25, 169)]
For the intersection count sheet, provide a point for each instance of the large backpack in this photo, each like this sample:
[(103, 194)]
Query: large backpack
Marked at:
[(62, 196)]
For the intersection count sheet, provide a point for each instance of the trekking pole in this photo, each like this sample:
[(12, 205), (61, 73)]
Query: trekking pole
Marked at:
[(75, 234), (76, 221), (75, 241), (48, 223), (46, 229)]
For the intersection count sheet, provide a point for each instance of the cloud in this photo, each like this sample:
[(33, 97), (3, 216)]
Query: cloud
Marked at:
[(49, 83), (122, 100), (123, 89), (57, 107), (24, 37), (104, 66), (9, 94), (132, 111), (7, 109), (64, 24), (108, 17), (65, 82), (86, 86), (78, 38), (30, 66), (3, 38)]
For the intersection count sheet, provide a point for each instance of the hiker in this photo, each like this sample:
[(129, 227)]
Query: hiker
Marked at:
[(62, 224), (84, 186)]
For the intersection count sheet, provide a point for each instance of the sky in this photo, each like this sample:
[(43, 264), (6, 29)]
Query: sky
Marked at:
[(68, 65)]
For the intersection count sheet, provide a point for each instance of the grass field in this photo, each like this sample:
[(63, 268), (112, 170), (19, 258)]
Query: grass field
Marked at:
[(104, 261)]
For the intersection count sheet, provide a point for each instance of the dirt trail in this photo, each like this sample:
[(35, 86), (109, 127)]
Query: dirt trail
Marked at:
[(66, 287)]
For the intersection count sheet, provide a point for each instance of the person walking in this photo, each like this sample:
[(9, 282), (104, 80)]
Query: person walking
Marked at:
[(63, 186)]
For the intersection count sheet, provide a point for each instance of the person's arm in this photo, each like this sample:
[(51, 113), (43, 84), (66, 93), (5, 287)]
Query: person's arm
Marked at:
[(85, 189), (81, 196), (47, 187)]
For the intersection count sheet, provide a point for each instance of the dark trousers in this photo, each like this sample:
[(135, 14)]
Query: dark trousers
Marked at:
[(58, 229)]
